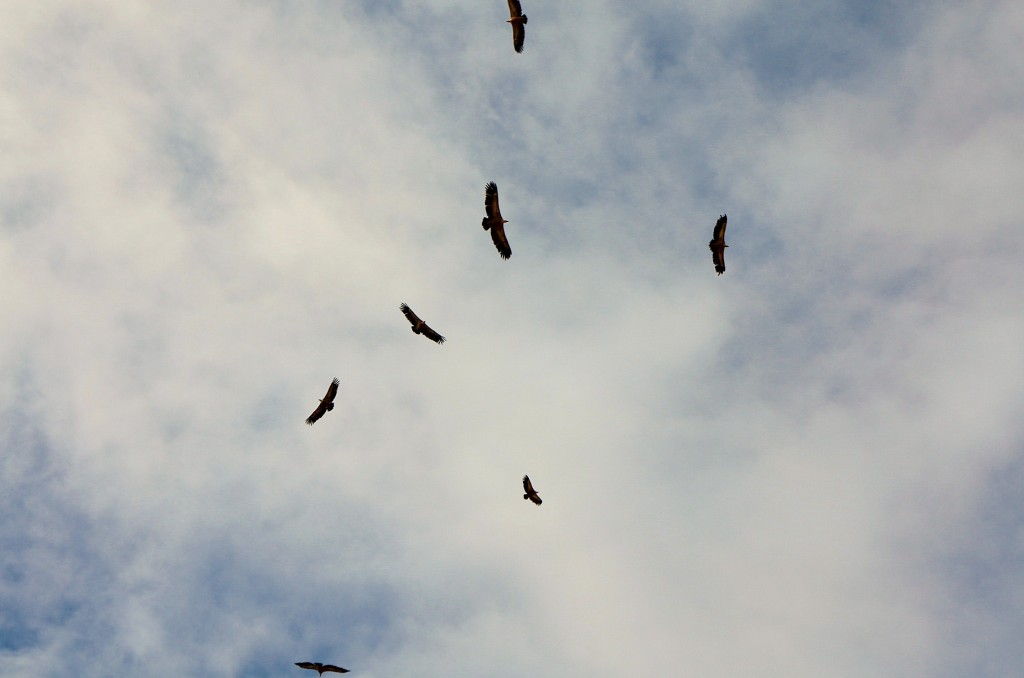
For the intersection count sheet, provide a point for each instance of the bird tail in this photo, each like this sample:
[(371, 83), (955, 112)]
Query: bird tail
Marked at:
[(525, 20), (485, 224)]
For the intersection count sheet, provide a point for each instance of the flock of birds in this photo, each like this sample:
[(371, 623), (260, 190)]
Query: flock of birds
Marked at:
[(495, 223)]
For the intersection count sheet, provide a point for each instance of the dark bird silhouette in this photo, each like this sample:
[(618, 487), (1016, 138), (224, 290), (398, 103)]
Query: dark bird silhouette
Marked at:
[(493, 220), (420, 327), (518, 21), (718, 245), (321, 669), (326, 403), (531, 493)]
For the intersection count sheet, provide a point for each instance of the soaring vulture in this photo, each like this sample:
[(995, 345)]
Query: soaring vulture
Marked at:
[(518, 21), (493, 220), (420, 327), (531, 493), (718, 245), (326, 403), (321, 669)]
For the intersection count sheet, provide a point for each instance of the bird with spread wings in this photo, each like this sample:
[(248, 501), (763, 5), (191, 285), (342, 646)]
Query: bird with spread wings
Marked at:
[(494, 222), (326, 403), (420, 327), (718, 245), (531, 493), (321, 669), (518, 21)]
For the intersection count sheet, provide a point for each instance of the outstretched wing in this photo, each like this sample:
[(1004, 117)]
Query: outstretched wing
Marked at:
[(720, 227), (518, 35), (431, 334), (332, 391), (718, 257), (410, 316), (320, 411), (491, 201), (325, 668), (306, 665), (514, 8), (500, 240)]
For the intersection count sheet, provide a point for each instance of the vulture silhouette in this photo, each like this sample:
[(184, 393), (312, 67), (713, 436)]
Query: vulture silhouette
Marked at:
[(493, 220), (518, 21), (321, 669), (531, 493), (326, 403), (718, 245), (420, 327)]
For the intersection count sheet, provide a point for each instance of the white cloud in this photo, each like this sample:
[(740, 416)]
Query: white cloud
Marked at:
[(206, 213)]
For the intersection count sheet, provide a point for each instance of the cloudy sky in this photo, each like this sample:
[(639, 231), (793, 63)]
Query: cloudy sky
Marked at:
[(810, 466)]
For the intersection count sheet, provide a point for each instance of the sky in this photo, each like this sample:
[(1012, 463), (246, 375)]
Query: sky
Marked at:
[(812, 465)]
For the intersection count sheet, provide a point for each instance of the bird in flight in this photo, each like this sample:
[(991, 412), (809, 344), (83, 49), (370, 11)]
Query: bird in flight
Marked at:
[(420, 327), (531, 493), (494, 222), (718, 245), (321, 669), (326, 403), (518, 21)]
